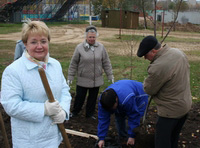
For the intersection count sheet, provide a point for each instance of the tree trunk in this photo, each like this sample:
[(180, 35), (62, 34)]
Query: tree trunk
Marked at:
[(155, 2), (144, 14)]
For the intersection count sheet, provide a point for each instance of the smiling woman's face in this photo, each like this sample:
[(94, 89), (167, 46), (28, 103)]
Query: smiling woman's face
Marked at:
[(91, 38), (37, 46)]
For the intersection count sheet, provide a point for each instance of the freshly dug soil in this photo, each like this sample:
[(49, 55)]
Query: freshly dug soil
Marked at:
[(189, 138)]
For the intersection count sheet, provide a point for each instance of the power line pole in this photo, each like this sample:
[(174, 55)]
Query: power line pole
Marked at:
[(90, 17)]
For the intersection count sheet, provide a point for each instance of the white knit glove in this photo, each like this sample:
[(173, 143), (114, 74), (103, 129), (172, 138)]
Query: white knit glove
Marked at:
[(59, 118), (51, 108), (69, 82), (113, 80)]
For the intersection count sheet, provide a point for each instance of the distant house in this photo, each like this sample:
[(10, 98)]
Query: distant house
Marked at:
[(183, 17), (190, 2), (120, 19)]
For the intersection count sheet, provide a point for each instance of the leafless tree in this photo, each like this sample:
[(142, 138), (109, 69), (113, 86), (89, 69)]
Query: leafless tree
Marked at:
[(175, 18), (155, 4)]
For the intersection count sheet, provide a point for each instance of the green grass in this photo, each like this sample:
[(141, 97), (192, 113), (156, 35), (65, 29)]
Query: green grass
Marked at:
[(122, 67), (6, 54), (140, 37), (193, 53), (195, 79), (11, 28), (175, 39)]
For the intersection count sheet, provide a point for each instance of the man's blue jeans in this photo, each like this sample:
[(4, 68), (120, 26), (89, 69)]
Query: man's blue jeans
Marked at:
[(120, 121)]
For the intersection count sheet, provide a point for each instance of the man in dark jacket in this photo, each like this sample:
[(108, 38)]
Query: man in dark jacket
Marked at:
[(168, 83), (125, 98)]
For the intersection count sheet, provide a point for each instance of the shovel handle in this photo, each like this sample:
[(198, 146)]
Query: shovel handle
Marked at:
[(51, 99), (46, 85), (146, 110)]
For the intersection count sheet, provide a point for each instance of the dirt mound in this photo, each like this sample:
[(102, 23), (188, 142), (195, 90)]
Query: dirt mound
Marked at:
[(188, 27)]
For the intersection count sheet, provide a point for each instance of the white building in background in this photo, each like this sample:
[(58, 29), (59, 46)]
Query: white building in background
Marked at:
[(183, 17), (190, 2)]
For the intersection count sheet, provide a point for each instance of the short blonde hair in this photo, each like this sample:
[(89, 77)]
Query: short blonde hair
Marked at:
[(34, 27)]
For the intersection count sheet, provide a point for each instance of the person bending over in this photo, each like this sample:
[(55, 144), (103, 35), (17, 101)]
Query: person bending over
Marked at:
[(125, 99)]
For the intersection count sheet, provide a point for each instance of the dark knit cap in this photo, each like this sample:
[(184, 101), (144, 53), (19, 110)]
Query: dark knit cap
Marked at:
[(108, 99), (147, 44), (90, 27)]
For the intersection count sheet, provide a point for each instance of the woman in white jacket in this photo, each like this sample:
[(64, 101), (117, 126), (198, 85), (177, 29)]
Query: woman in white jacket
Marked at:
[(23, 96)]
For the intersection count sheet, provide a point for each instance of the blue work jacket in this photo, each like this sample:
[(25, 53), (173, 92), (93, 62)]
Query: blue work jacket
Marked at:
[(132, 101)]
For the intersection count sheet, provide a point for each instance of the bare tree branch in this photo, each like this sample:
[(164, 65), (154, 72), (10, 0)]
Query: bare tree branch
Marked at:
[(144, 13), (173, 22)]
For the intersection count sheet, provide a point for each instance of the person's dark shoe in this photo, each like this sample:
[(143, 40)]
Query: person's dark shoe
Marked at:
[(71, 115), (91, 117)]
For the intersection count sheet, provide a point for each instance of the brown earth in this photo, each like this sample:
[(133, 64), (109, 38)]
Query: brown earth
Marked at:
[(190, 136)]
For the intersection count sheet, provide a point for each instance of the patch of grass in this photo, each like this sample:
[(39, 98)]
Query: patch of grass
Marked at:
[(6, 28), (193, 53), (140, 37), (9, 28), (50, 24), (195, 79), (175, 39), (124, 38), (6, 54), (122, 67)]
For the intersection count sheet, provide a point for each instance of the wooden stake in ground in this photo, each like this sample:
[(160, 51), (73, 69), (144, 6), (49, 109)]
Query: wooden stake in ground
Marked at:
[(81, 134), (51, 99)]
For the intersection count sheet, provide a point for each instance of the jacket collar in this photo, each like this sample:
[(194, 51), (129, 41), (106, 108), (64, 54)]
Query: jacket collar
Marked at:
[(86, 47), (163, 50), (31, 65)]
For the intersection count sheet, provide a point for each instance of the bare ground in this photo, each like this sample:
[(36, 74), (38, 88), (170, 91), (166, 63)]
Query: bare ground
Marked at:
[(189, 137)]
